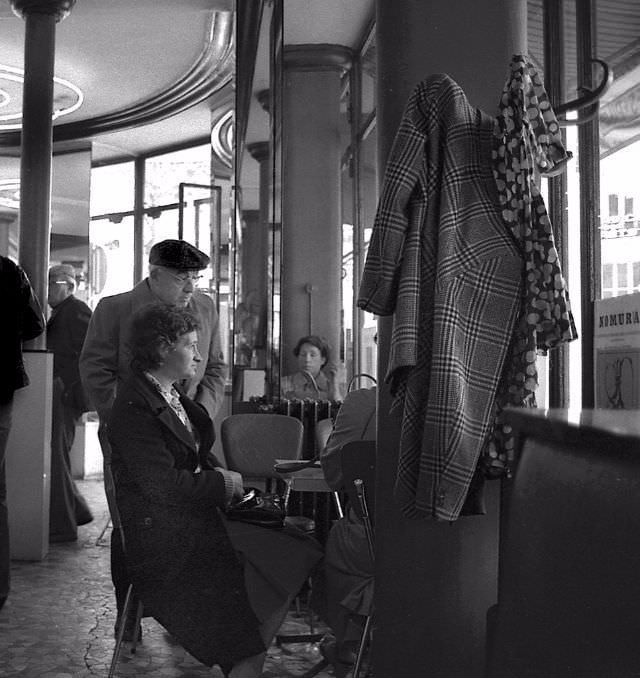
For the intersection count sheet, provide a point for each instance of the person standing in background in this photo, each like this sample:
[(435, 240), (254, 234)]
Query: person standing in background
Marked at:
[(174, 269), (22, 319), (66, 330)]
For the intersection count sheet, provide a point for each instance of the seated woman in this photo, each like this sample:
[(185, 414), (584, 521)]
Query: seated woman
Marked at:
[(348, 569), (220, 588), (316, 378)]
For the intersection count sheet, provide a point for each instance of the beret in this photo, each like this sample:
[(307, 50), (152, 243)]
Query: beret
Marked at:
[(178, 254)]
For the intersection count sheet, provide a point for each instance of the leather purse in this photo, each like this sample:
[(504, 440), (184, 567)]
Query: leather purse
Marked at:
[(257, 508)]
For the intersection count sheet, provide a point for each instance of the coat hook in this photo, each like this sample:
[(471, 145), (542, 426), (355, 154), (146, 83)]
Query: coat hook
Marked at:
[(590, 98)]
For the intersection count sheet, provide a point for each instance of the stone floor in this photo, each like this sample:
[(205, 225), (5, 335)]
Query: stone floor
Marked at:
[(58, 620)]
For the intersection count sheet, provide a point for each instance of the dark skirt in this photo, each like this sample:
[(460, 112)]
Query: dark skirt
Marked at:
[(276, 563)]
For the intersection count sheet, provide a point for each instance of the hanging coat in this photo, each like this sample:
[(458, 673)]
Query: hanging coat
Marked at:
[(443, 263)]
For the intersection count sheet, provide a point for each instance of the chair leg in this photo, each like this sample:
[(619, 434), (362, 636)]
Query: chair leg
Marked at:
[(121, 626), (104, 529), (136, 628), (363, 642)]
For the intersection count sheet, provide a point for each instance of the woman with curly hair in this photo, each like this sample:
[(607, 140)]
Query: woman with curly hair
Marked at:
[(220, 588)]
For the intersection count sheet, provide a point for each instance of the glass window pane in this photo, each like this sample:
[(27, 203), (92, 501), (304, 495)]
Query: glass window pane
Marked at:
[(163, 173), (613, 205), (620, 234), (636, 276), (112, 188), (628, 207), (111, 264), (607, 277), (368, 199), (618, 27)]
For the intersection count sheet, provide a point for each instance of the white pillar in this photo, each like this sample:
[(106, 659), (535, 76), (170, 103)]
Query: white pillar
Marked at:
[(29, 461)]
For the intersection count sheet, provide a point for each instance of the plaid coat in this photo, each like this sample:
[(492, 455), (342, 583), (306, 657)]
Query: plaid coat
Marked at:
[(443, 262)]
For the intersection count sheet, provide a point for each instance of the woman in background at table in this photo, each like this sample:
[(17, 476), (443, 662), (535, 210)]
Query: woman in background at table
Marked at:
[(220, 588), (317, 376)]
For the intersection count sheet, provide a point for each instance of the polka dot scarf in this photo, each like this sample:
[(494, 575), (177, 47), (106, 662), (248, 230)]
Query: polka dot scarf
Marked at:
[(527, 139)]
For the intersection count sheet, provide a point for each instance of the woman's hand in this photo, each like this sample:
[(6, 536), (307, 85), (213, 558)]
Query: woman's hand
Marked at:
[(333, 374)]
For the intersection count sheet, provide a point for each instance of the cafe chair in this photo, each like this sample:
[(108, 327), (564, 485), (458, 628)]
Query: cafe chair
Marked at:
[(252, 443)]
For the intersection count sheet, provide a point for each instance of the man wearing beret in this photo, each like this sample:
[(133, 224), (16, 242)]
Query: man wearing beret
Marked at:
[(174, 267)]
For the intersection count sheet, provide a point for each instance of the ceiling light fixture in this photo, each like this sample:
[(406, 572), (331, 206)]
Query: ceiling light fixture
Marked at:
[(67, 97)]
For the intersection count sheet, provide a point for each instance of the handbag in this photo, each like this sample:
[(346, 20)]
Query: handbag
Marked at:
[(258, 508)]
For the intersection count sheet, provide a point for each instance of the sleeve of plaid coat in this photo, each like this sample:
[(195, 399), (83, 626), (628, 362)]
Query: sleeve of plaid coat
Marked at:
[(379, 285)]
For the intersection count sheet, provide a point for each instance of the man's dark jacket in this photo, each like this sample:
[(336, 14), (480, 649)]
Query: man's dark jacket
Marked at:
[(22, 320), (66, 330)]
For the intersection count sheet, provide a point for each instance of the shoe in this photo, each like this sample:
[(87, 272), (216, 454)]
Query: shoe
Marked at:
[(84, 519), (129, 629)]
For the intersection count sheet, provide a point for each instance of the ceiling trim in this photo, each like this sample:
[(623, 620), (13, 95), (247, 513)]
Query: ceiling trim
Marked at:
[(213, 69), (318, 57)]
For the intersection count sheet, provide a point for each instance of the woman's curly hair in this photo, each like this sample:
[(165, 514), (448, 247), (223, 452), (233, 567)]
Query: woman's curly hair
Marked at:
[(154, 328)]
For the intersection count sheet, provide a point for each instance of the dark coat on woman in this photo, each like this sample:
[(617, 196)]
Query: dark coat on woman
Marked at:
[(181, 562)]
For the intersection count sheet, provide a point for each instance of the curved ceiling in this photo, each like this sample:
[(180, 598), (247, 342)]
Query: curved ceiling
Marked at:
[(123, 55)]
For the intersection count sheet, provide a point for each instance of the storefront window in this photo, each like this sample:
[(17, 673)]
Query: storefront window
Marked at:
[(612, 159), (368, 194), (111, 231), (620, 229), (163, 173), (348, 282), (112, 257), (112, 188)]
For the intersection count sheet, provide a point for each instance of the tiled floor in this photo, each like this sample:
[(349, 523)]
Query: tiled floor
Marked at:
[(58, 620)]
